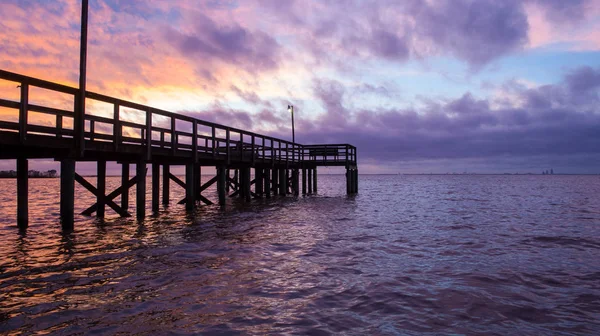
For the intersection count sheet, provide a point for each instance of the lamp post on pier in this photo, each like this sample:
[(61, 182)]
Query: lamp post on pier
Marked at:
[(291, 110)]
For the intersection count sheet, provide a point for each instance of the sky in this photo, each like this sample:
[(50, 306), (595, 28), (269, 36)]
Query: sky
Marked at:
[(419, 86)]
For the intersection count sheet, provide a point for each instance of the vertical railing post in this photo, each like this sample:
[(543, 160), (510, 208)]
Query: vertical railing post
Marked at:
[(195, 140), (148, 133), (253, 159), (173, 136), (241, 146), (117, 128), (272, 152), (59, 123), (79, 116), (214, 137), (228, 145), (287, 152), (92, 129), (23, 111)]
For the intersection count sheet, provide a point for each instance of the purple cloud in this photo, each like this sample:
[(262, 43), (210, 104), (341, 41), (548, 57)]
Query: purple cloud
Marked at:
[(232, 44)]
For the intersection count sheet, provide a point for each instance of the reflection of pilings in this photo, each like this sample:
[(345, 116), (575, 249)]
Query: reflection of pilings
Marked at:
[(140, 194), (67, 193), (22, 193)]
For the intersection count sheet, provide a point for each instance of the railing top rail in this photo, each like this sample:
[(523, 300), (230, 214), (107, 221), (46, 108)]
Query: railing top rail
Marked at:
[(327, 145)]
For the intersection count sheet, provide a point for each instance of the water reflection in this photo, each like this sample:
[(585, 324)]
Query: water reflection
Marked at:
[(407, 255)]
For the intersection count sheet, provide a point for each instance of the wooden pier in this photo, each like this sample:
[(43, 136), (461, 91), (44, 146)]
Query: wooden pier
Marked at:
[(132, 133)]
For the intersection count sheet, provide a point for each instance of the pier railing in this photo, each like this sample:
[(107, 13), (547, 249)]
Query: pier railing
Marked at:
[(129, 123)]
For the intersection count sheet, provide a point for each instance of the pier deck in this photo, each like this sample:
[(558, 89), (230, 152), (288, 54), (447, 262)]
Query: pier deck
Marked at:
[(130, 133)]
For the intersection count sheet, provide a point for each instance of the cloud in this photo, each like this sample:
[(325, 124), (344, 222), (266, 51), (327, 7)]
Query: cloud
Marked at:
[(210, 41), (555, 122)]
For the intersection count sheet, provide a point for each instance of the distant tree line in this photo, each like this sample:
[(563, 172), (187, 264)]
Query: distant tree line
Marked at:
[(32, 173)]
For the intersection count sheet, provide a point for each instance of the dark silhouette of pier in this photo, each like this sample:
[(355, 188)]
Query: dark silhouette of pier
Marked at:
[(142, 135)]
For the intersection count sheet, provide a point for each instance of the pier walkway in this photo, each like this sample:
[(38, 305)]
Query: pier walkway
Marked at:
[(112, 129)]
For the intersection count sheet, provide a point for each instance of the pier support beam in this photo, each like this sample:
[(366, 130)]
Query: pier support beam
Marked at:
[(274, 181), (355, 186), (197, 180), (101, 188), (282, 182), (258, 185), (124, 180), (222, 184), (267, 181), (295, 183), (227, 176), (310, 183), (190, 183), (166, 184), (140, 193), (22, 193), (351, 181), (155, 186), (246, 192), (304, 190), (314, 178), (67, 194)]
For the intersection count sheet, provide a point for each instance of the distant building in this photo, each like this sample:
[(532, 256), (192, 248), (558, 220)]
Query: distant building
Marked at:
[(31, 173), (551, 171)]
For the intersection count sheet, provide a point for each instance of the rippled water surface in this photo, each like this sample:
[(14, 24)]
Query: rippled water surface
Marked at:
[(409, 255)]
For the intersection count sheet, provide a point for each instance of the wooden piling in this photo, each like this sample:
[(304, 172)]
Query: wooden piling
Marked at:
[(101, 188), (314, 178), (222, 175), (304, 190), (155, 186), (295, 184), (190, 183), (258, 184), (310, 182), (267, 182), (348, 181), (197, 180), (282, 182), (67, 193), (247, 191), (140, 194), (227, 175), (166, 181), (124, 180), (275, 181), (356, 181), (22, 193)]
